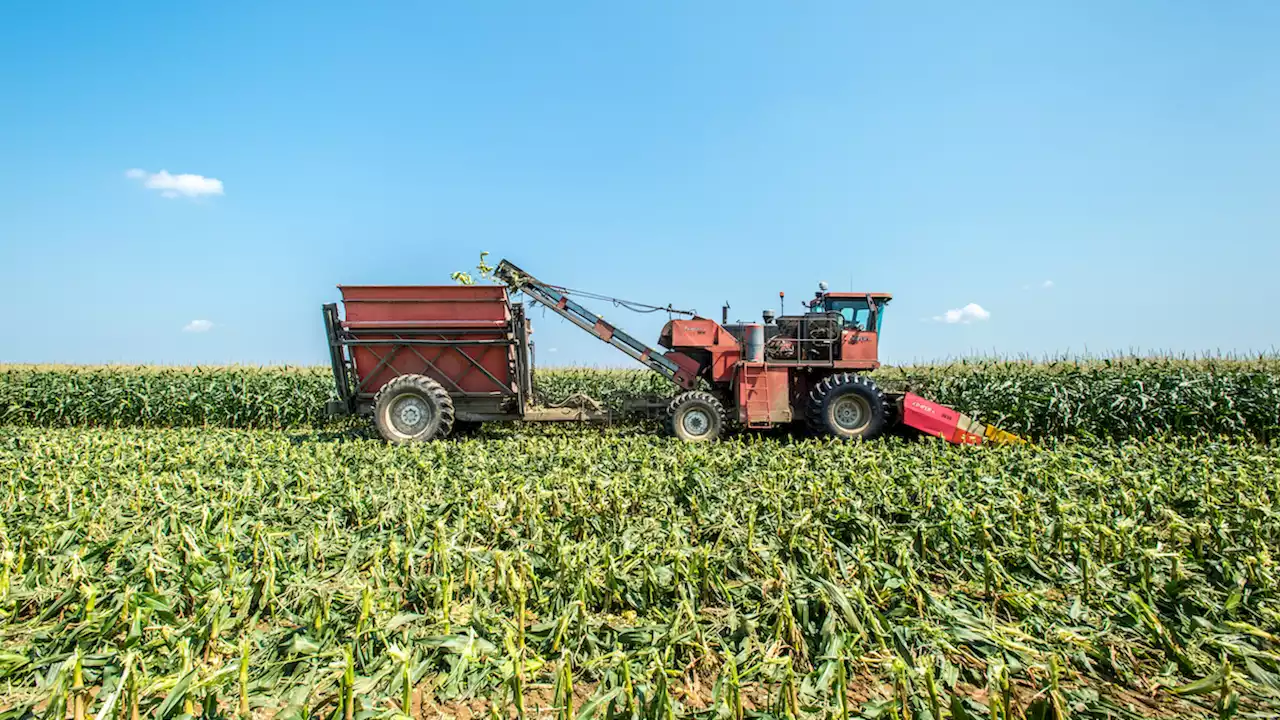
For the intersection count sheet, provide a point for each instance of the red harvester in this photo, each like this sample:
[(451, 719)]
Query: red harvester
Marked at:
[(422, 360)]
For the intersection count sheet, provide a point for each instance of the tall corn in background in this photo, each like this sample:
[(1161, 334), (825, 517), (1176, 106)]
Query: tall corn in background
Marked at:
[(1117, 398)]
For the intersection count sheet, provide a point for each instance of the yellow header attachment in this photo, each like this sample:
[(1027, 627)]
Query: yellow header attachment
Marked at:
[(1000, 437)]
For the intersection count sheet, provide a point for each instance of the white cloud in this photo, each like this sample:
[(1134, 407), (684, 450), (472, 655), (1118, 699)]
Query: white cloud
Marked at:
[(197, 326), (553, 350), (172, 186), (1046, 284), (965, 315)]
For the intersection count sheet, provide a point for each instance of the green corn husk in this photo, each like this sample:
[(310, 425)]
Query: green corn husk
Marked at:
[(756, 561)]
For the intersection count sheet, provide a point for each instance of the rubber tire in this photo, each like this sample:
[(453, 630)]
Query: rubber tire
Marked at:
[(822, 398), (441, 422), (691, 400)]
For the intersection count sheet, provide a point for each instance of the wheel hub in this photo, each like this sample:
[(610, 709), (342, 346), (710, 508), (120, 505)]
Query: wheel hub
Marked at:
[(696, 422), (410, 415), (851, 413)]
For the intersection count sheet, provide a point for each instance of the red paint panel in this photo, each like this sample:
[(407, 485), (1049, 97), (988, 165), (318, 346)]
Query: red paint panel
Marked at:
[(426, 324), (859, 295), (724, 362), (859, 350), (695, 333), (704, 334), (462, 313), (394, 304), (687, 376), (938, 420), (452, 369), (763, 395)]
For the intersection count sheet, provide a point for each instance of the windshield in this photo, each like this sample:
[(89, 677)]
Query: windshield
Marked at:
[(856, 312)]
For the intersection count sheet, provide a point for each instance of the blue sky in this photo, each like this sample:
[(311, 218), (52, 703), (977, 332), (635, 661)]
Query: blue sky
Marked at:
[(667, 152)]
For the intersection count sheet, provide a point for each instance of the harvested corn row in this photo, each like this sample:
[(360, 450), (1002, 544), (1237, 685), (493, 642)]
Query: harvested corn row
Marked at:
[(540, 572)]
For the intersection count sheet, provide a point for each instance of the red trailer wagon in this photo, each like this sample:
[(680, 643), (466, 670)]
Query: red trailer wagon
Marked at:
[(420, 358), (424, 360)]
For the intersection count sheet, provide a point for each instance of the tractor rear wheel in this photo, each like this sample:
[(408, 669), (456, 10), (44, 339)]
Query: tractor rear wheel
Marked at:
[(847, 406), (696, 416), (412, 408)]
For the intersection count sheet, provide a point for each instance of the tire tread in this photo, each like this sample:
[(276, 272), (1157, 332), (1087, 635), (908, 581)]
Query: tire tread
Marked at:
[(689, 396), (815, 409), (432, 390)]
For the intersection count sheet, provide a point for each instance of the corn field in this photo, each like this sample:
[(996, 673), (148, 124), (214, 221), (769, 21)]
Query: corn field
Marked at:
[(203, 542), (581, 573), (1122, 398), (157, 396)]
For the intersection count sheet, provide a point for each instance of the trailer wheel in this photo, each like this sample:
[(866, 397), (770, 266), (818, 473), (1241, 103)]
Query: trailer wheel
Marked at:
[(847, 406), (412, 408), (696, 416)]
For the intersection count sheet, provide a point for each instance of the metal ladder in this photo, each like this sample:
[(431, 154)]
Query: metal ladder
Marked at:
[(755, 401)]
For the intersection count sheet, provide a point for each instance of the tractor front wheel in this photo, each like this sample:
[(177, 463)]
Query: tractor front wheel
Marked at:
[(696, 416), (412, 408), (847, 406)]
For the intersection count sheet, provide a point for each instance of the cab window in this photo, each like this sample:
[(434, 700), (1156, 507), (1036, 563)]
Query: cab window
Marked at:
[(854, 312), (856, 316)]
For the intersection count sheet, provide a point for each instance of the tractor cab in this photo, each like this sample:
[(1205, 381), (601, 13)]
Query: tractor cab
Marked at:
[(861, 311), (837, 330)]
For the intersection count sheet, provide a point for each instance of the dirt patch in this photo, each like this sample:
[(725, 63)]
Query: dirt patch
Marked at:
[(695, 690)]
